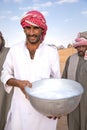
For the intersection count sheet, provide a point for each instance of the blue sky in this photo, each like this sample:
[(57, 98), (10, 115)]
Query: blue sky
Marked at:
[(65, 18)]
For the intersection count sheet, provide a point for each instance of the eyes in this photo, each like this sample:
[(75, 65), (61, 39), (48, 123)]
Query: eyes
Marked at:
[(32, 27), (82, 47)]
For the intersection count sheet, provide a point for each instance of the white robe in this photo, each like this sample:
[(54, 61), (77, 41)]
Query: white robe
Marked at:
[(18, 64)]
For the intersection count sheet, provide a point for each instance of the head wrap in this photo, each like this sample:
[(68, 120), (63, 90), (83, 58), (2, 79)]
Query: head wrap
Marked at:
[(83, 34), (80, 40), (34, 18)]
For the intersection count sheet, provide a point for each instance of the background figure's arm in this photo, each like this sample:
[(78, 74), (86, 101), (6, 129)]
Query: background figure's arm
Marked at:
[(64, 74)]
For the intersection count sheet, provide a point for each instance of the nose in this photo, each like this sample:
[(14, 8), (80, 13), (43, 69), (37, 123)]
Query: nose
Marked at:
[(81, 48), (31, 31)]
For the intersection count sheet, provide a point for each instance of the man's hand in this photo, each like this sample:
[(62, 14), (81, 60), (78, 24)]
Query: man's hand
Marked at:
[(20, 83), (54, 118), (23, 84)]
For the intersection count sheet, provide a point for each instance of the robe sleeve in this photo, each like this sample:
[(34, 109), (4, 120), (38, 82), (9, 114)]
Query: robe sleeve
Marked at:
[(82, 78), (65, 71), (7, 72)]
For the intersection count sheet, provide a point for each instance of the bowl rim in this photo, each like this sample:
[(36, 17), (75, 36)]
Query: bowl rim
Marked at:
[(62, 79)]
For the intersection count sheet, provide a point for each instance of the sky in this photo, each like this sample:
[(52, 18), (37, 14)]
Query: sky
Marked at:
[(65, 19)]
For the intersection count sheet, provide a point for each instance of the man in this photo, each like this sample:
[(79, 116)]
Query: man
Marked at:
[(25, 63), (76, 69), (5, 98)]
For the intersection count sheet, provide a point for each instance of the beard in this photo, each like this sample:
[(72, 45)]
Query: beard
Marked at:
[(33, 39), (81, 53)]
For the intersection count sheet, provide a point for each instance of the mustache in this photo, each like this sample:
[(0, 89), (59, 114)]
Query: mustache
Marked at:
[(31, 35), (80, 52)]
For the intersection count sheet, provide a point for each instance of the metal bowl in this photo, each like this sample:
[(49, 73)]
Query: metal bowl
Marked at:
[(55, 97)]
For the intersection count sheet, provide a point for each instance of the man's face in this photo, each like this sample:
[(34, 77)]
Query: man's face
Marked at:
[(81, 50), (33, 34)]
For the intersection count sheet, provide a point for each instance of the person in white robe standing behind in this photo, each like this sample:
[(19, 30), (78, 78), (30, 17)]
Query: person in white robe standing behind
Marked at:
[(25, 63)]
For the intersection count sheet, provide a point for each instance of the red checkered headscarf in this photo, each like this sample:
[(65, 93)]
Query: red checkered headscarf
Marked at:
[(34, 18), (80, 41)]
